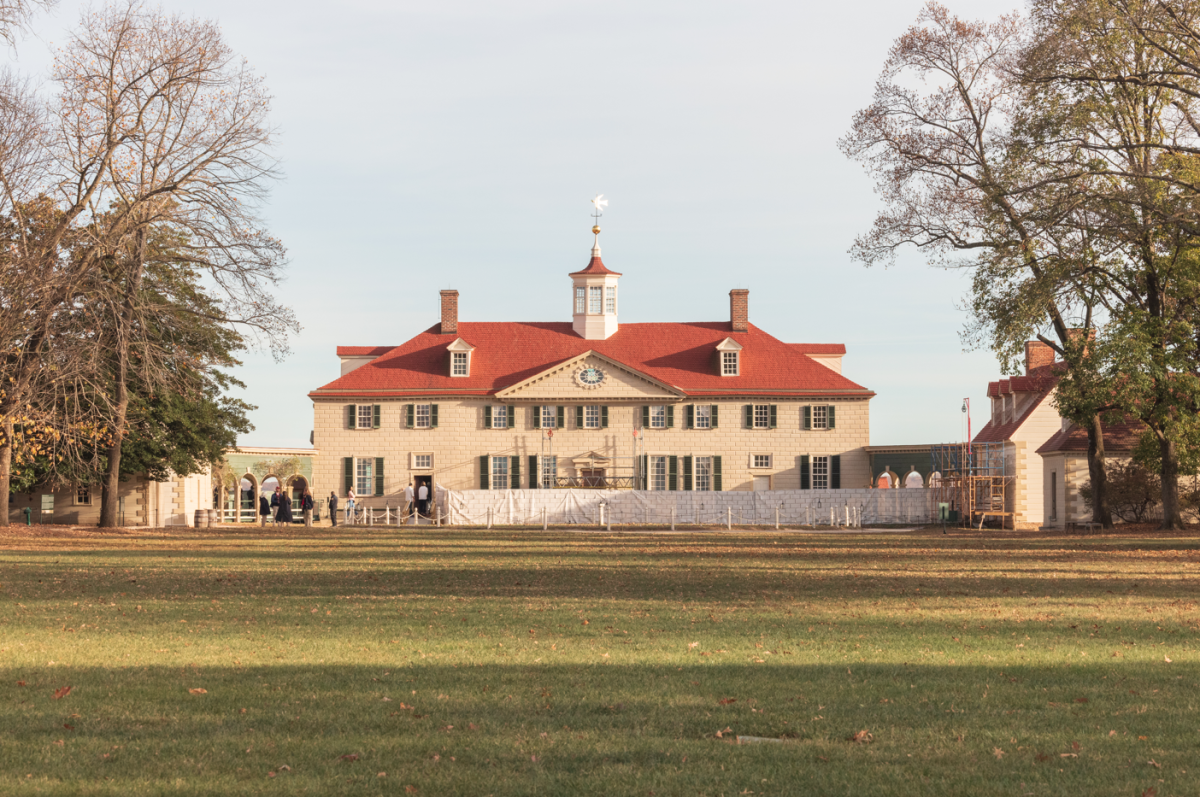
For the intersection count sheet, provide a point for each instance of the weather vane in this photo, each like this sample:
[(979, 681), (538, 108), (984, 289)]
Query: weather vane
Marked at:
[(600, 204)]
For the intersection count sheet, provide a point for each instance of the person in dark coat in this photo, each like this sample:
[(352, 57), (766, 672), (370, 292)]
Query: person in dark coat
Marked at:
[(264, 510), (284, 515), (277, 502), (306, 506), (333, 508)]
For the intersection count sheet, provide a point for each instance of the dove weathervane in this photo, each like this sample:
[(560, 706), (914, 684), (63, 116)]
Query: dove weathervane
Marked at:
[(600, 204)]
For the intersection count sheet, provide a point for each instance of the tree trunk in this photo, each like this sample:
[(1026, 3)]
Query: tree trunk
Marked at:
[(112, 476), (1172, 519), (1098, 473), (6, 452)]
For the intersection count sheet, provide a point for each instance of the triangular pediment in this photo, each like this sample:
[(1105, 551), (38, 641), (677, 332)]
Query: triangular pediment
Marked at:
[(590, 376)]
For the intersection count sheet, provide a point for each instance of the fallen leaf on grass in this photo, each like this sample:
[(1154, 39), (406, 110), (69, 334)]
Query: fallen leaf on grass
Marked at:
[(348, 757), (68, 727), (410, 789), (285, 768), (270, 774), (720, 734), (1167, 659), (1081, 700), (862, 737), (20, 683), (1042, 757), (1150, 792), (61, 743), (472, 726), (197, 691), (381, 775), (1112, 733), (59, 694), (725, 701), (1067, 755), (996, 751), (1154, 764)]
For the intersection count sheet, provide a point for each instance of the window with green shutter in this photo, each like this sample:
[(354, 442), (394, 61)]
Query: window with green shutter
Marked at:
[(831, 418), (579, 416), (483, 472), (351, 416), (536, 414), (717, 474), (687, 473), (433, 416), (376, 414), (807, 417), (835, 472), (774, 416), (604, 416), (514, 478), (645, 416), (533, 472), (804, 476), (749, 416), (670, 416), (560, 417), (487, 416), (348, 464), (645, 475), (672, 473), (378, 475), (690, 417), (409, 415), (713, 417)]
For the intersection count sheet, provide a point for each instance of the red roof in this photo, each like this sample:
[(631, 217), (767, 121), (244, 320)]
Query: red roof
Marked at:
[(680, 355), (819, 348), (1119, 438), (1039, 381), (596, 266), (362, 351)]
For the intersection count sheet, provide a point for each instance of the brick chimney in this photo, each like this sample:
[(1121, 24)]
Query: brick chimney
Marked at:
[(1037, 354), (739, 309), (449, 312)]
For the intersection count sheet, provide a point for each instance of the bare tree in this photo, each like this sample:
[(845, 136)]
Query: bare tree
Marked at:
[(15, 15)]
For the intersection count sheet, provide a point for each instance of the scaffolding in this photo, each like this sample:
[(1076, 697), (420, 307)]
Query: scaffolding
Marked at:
[(973, 481)]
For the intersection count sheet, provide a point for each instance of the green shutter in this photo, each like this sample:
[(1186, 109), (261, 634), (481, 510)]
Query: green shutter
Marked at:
[(831, 418), (807, 417), (579, 416), (645, 471), (377, 411), (687, 472), (717, 474), (514, 476), (560, 414), (378, 475), (351, 416), (749, 416), (409, 414), (672, 473), (714, 416), (535, 473), (804, 480), (487, 416), (432, 416), (483, 472), (536, 412), (690, 421), (348, 462), (670, 416), (645, 416), (774, 408), (512, 417), (604, 416), (835, 472)]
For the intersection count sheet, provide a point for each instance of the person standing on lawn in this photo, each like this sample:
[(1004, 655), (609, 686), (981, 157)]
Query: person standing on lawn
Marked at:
[(350, 506), (264, 510), (284, 515), (277, 502), (408, 500), (333, 508), (306, 506), (423, 499)]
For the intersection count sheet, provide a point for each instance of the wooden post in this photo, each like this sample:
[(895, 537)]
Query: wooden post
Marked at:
[(672, 518), (544, 519), (777, 518), (607, 516), (729, 518), (489, 517)]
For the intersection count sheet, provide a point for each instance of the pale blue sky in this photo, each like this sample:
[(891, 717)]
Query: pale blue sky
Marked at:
[(428, 145)]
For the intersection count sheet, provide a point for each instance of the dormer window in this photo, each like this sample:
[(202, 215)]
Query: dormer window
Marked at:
[(460, 357), (729, 357)]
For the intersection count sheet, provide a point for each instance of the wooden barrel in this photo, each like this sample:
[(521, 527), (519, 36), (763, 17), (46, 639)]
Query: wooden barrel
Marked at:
[(201, 518), (213, 517)]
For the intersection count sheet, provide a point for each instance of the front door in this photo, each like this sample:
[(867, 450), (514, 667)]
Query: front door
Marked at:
[(428, 482), (762, 483), (592, 477)]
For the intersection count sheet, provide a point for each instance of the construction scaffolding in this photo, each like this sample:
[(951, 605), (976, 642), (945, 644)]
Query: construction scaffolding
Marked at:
[(973, 482)]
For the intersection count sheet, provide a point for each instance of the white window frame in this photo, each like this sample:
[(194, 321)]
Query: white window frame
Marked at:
[(580, 298), (499, 413), (548, 467), (86, 490), (658, 416), (460, 363), (364, 420), (549, 416), (591, 416), (730, 363), (416, 460), (595, 300), (657, 477), (364, 468), (824, 461), (702, 416), (610, 300), (762, 420), (707, 485), (499, 468), (820, 416), (761, 461), (422, 421)]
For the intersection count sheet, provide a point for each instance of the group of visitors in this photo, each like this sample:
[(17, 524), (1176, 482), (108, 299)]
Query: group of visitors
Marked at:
[(421, 506), (279, 508)]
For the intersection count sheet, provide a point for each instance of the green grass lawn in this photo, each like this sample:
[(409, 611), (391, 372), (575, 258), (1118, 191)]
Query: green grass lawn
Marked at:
[(445, 662)]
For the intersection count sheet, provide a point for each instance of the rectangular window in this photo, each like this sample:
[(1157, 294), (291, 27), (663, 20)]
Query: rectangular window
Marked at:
[(499, 417), (820, 473), (422, 419), (591, 416), (762, 416), (83, 495), (460, 363), (658, 417), (703, 417), (820, 416), (1053, 495), (549, 471), (595, 297), (549, 417), (704, 473), (579, 298), (610, 302), (658, 473), (499, 473), (729, 363), (422, 461), (366, 416), (761, 461), (364, 481)]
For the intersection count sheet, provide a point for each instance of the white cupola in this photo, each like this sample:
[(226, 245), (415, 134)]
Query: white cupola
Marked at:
[(594, 298)]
